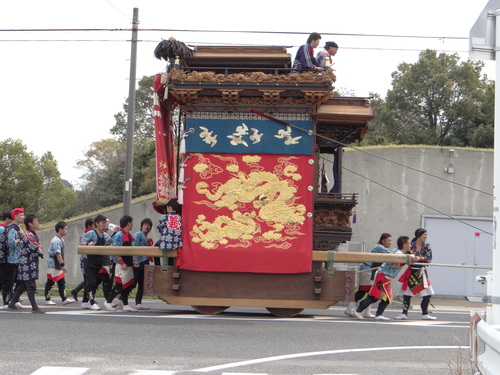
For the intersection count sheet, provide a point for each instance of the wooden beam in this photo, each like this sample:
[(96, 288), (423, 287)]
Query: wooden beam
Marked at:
[(147, 251), (318, 256), (357, 257)]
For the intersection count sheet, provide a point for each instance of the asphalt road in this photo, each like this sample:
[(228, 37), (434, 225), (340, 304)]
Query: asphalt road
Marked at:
[(176, 340)]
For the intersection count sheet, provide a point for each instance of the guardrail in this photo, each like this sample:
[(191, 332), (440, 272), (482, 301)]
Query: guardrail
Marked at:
[(485, 345)]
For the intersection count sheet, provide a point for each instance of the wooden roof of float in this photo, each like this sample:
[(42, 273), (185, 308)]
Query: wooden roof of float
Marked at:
[(344, 119), (350, 109), (261, 57)]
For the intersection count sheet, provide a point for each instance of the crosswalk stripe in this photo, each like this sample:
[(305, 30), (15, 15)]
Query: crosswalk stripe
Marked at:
[(54, 370), (153, 372)]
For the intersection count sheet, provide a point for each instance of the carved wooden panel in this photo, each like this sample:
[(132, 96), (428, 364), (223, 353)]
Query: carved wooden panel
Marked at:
[(316, 97), (271, 96), (230, 96), (186, 95)]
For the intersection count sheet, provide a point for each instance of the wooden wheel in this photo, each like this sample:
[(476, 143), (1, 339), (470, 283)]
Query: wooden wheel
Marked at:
[(210, 310), (283, 312)]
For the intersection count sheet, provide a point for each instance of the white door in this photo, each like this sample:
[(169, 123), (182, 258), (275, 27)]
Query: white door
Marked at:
[(454, 242)]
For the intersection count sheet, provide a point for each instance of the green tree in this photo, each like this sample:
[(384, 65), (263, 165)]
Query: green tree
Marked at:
[(437, 100), (102, 157), (144, 131), (18, 176), (144, 180), (104, 171), (103, 167), (53, 196), (32, 183), (483, 137)]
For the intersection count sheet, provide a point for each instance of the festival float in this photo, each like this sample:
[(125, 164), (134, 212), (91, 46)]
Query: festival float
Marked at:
[(242, 143)]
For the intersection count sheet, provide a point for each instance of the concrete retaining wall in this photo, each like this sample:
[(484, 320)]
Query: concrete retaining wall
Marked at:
[(396, 210)]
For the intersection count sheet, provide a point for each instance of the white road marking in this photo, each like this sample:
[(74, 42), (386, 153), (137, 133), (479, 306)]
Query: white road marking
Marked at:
[(324, 352), (323, 319), (57, 370), (54, 370)]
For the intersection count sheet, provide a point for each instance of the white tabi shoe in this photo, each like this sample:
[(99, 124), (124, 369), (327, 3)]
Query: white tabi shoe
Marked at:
[(109, 306), (428, 317), (368, 313), (20, 306), (358, 315), (351, 308)]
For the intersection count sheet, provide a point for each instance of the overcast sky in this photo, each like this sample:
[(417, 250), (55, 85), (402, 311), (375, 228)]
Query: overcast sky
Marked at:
[(60, 90)]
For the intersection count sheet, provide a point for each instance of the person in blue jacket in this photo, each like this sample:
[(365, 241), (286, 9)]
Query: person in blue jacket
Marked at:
[(28, 267), (381, 288), (304, 59)]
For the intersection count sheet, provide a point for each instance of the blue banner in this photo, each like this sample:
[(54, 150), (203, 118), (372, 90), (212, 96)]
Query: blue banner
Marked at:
[(230, 136)]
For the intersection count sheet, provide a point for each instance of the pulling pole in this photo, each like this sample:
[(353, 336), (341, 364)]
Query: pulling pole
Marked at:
[(318, 256)]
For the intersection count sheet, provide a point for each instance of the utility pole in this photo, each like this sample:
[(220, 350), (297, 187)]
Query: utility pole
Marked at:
[(129, 159), (494, 285), (484, 43)]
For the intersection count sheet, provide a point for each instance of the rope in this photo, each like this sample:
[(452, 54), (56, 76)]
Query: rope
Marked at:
[(368, 270), (164, 260), (330, 262), (455, 265), (408, 259)]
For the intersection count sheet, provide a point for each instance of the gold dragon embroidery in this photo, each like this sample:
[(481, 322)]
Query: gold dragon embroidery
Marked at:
[(272, 195)]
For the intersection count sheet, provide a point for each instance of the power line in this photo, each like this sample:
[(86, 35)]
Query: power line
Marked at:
[(239, 32), (61, 30), (344, 47), (70, 40), (443, 38), (119, 11), (218, 44)]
